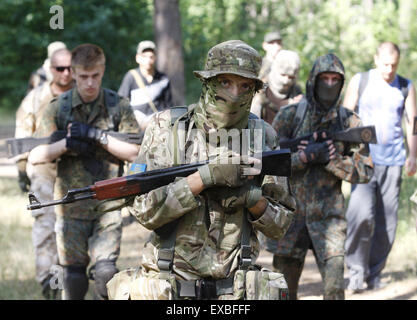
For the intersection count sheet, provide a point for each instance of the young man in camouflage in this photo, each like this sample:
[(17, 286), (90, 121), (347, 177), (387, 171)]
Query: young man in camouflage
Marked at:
[(206, 213), (41, 178), (87, 154), (282, 86), (318, 169)]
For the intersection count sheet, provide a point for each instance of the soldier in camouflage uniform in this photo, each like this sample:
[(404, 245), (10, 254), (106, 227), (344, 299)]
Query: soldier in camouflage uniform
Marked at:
[(42, 177), (318, 169), (86, 231), (207, 210), (282, 86)]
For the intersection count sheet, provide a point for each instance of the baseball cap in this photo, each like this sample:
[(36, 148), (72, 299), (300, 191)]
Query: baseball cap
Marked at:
[(145, 45), (271, 36)]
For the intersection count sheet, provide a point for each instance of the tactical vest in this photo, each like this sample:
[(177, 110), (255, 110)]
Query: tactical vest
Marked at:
[(167, 233), (111, 100)]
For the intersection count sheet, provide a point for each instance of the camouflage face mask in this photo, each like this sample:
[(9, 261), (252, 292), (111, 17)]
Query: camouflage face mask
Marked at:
[(218, 109)]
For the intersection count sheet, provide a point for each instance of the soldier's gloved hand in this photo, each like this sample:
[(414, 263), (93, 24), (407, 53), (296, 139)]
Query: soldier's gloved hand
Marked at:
[(215, 174), (23, 179), (317, 153), (84, 131), (79, 146), (246, 196)]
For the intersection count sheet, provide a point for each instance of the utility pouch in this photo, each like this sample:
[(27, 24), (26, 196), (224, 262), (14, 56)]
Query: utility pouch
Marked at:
[(265, 285), (134, 284)]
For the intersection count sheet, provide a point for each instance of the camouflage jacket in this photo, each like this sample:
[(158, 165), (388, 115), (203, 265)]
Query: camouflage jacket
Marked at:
[(76, 171), (207, 238), (317, 188), (29, 113)]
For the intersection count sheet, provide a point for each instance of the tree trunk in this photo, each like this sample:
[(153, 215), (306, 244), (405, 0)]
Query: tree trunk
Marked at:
[(167, 23)]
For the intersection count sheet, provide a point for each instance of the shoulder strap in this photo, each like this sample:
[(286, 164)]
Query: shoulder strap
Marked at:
[(141, 85), (403, 86), (299, 116), (245, 248), (167, 235), (64, 110), (343, 115), (111, 100)]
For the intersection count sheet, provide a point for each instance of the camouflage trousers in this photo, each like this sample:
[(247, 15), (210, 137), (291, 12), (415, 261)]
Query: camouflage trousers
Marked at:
[(42, 179), (331, 271), (81, 241)]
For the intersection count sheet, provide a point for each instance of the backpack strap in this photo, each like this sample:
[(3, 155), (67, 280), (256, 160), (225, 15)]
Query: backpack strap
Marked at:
[(167, 234), (403, 86), (111, 100), (299, 116), (141, 85), (64, 111), (343, 115), (245, 248)]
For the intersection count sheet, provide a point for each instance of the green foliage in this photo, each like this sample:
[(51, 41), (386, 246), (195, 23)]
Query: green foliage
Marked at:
[(312, 28), (25, 33)]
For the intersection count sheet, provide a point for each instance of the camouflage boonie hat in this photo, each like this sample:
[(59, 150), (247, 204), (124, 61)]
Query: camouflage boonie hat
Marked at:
[(272, 36), (235, 57)]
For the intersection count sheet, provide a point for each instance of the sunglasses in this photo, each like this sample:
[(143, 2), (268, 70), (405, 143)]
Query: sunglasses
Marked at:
[(62, 69)]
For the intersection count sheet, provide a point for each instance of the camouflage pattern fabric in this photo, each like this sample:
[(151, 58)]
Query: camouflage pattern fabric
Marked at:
[(76, 171), (208, 240), (79, 241), (212, 114), (42, 179), (320, 219), (234, 57)]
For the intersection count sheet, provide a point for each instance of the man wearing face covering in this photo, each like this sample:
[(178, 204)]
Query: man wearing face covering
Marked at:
[(318, 169), (203, 244), (282, 86)]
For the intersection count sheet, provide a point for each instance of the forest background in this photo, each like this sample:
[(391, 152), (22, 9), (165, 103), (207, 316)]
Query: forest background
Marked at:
[(185, 29)]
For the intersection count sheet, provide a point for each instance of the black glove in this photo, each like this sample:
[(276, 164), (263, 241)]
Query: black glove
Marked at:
[(23, 179), (79, 146), (85, 132), (317, 153)]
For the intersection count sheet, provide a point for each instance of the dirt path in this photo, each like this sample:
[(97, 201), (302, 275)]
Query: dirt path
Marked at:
[(399, 287)]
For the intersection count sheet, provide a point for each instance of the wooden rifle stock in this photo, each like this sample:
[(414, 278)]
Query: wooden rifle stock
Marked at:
[(276, 163)]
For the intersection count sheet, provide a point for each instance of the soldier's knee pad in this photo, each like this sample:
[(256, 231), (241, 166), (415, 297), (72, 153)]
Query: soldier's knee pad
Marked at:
[(104, 271), (75, 282)]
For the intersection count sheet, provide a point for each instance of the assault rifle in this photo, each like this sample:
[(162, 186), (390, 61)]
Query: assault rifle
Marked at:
[(16, 146), (357, 135), (276, 163)]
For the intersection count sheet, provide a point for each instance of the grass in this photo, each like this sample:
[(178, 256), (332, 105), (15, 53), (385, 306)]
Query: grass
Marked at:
[(17, 269)]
